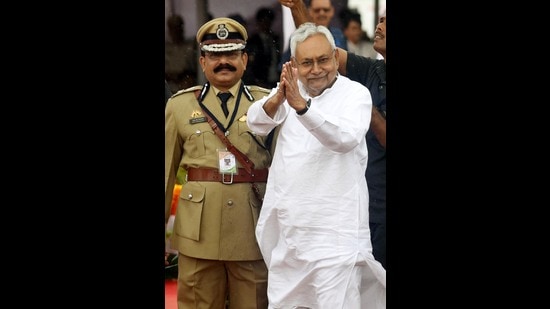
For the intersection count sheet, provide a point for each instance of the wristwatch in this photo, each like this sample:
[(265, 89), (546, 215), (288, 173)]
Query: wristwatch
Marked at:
[(303, 111)]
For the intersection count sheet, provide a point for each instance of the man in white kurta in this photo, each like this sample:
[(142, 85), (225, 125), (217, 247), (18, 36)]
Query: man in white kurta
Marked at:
[(313, 229)]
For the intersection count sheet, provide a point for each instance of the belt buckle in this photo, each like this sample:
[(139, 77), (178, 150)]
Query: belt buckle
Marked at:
[(227, 182)]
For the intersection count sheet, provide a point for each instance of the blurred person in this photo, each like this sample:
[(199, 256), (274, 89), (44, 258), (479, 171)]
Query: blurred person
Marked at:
[(240, 19), (264, 51), (313, 228), (370, 72), (358, 41), (322, 12), (247, 78), (180, 56), (220, 201)]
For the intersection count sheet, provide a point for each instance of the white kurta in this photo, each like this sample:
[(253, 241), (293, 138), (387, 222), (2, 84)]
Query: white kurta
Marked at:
[(313, 228)]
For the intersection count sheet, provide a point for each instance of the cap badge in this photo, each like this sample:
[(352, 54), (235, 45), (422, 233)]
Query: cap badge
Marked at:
[(222, 33)]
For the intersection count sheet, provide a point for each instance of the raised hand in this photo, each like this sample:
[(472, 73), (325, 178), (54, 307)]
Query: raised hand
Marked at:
[(287, 3), (289, 77)]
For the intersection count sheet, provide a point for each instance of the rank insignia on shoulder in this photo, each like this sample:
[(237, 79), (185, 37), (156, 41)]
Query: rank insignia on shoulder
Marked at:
[(243, 118)]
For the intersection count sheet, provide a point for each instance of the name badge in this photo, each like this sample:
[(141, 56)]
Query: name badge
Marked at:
[(197, 120), (227, 162)]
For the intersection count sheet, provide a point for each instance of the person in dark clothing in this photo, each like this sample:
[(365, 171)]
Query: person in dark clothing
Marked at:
[(371, 73), (264, 51), (180, 56)]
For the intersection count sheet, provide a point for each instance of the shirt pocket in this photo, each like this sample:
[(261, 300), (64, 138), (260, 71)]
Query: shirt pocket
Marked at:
[(199, 138)]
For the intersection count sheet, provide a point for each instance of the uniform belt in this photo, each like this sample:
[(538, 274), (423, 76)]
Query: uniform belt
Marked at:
[(209, 174)]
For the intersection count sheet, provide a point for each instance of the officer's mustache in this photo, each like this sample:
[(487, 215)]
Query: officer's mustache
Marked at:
[(225, 66)]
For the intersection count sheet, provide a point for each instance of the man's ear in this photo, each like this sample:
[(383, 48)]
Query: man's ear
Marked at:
[(202, 62), (245, 59)]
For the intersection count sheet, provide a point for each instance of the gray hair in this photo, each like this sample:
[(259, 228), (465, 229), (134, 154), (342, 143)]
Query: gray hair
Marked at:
[(305, 31)]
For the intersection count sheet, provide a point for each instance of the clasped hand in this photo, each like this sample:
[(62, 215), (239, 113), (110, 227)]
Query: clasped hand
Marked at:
[(288, 88)]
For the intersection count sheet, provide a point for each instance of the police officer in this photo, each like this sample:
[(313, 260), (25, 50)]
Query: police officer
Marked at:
[(219, 203)]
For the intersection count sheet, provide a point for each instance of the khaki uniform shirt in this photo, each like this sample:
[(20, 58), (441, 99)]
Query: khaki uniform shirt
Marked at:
[(213, 220)]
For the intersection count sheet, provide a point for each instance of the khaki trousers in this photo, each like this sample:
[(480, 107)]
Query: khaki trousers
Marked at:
[(207, 284)]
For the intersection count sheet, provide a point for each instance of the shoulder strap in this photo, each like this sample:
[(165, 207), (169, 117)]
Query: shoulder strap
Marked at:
[(247, 164)]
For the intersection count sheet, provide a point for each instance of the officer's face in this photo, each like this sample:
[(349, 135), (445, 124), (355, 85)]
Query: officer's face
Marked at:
[(224, 69)]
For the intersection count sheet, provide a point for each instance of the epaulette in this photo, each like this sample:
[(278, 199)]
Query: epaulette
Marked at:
[(258, 88), (248, 91), (190, 89)]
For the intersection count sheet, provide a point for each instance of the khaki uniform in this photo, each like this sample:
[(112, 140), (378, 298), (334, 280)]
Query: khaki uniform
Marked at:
[(213, 220), (214, 227)]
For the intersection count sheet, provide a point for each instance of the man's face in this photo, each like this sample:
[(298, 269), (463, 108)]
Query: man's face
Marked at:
[(317, 63), (321, 11), (224, 69), (380, 36), (353, 31)]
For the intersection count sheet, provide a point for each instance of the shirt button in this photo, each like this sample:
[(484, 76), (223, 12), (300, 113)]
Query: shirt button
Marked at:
[(230, 203)]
